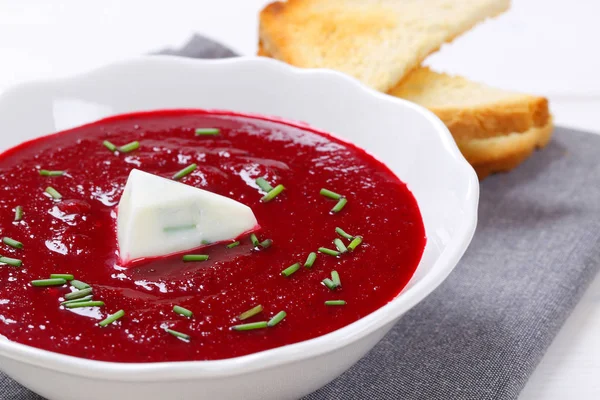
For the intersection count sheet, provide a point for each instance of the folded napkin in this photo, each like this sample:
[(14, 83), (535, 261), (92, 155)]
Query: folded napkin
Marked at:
[(483, 331)]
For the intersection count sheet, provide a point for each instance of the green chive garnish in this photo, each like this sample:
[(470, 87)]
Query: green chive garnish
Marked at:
[(329, 252), (66, 277), (109, 146), (340, 205), (335, 303), (78, 294), (112, 318), (186, 171), (232, 245), (45, 172), (277, 319), (330, 194), (11, 261), (48, 282), (290, 270), (340, 245), (354, 243), (180, 228), (329, 283), (129, 147), (276, 191), (254, 240), (335, 277), (18, 213), (207, 131), (12, 242), (179, 335), (251, 312), (343, 234), (78, 284), (266, 243), (310, 260), (204, 241), (81, 304), (250, 326), (54, 193), (183, 311), (86, 298), (264, 185), (195, 257)]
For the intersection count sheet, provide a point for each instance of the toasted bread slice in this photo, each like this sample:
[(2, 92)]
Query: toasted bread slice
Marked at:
[(376, 41), (495, 129), (473, 110), (503, 153)]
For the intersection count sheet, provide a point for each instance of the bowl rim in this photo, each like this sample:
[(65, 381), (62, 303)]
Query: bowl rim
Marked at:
[(321, 345)]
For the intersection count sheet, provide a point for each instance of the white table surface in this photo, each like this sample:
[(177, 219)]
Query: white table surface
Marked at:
[(547, 47)]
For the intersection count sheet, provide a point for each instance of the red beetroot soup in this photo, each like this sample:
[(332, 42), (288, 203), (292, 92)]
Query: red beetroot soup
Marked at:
[(76, 235)]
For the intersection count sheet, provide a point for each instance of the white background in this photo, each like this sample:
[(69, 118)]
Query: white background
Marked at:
[(548, 47)]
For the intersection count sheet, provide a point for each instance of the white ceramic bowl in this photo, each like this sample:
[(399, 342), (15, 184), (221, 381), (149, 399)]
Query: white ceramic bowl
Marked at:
[(409, 139)]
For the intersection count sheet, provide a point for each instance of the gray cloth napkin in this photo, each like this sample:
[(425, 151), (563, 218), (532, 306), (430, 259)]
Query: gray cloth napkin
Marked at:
[(484, 330)]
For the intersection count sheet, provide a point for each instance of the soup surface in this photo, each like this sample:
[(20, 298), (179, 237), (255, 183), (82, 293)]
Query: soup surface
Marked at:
[(76, 234)]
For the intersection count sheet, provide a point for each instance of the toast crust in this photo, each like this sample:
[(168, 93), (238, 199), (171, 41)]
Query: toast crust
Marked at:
[(488, 122)]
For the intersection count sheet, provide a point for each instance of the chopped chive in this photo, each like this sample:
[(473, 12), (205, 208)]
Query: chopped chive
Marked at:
[(54, 193), (207, 131), (183, 311), (48, 282), (263, 184), (335, 302), (11, 261), (250, 326), (78, 294), (178, 335), (109, 146), (81, 304), (195, 257), (12, 242), (340, 205), (179, 228), (354, 244), (18, 213), (277, 318), (251, 312), (266, 243), (86, 298), (66, 277), (232, 245), (290, 270), (335, 277), (129, 147), (204, 241), (276, 191), (112, 318), (330, 194), (329, 283), (78, 284), (256, 243), (310, 260), (45, 172), (329, 252), (186, 171), (340, 245), (343, 234)]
